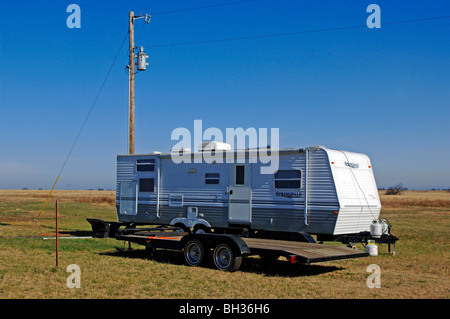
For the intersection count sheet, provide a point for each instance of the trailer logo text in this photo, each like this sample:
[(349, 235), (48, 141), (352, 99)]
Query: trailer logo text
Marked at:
[(352, 165), (288, 195)]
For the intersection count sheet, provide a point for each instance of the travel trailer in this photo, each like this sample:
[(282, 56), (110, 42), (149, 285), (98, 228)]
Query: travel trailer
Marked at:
[(315, 190)]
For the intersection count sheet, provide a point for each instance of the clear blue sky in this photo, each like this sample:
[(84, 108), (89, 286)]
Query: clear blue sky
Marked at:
[(384, 92)]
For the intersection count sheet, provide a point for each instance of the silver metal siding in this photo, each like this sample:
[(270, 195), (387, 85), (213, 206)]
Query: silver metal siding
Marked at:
[(279, 213), (322, 198), (211, 199)]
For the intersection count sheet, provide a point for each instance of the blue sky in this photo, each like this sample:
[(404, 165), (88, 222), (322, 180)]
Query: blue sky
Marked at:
[(384, 92)]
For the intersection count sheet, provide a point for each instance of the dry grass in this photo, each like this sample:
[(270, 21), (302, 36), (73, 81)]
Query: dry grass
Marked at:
[(109, 270), (73, 196), (424, 199)]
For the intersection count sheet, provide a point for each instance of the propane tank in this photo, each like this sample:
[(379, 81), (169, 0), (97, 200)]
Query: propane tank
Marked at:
[(376, 229), (372, 248), (142, 60), (385, 226)]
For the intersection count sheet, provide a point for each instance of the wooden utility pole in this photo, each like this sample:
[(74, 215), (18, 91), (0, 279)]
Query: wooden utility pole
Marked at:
[(131, 92), (141, 67), (57, 237)]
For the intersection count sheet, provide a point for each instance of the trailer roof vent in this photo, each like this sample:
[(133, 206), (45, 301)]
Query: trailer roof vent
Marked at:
[(180, 150), (214, 146)]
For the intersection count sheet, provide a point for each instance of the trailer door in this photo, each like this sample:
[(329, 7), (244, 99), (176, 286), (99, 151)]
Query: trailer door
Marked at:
[(239, 195), (128, 198)]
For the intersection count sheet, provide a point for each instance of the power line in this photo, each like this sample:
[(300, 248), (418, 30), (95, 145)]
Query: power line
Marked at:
[(293, 33), (84, 122), (194, 8), (95, 101), (202, 7)]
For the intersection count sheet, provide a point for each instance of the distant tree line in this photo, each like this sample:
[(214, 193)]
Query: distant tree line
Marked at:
[(399, 189), (396, 190)]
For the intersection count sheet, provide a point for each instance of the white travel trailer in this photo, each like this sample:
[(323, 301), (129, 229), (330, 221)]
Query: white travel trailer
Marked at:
[(315, 190)]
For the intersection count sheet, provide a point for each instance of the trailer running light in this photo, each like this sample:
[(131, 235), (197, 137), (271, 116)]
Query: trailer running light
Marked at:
[(335, 212), (332, 162), (370, 166), (292, 259)]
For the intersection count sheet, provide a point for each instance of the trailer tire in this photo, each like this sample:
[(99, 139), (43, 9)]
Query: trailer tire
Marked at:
[(194, 252), (225, 258)]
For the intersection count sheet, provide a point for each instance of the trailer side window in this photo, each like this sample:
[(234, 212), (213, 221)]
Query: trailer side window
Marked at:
[(288, 178), (145, 165), (147, 185), (212, 178), (240, 175)]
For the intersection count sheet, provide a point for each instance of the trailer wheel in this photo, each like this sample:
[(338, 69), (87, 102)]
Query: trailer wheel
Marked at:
[(225, 259), (194, 252)]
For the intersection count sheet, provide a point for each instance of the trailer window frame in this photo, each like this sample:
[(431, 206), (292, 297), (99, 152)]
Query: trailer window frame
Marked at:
[(296, 179), (212, 178), (145, 165)]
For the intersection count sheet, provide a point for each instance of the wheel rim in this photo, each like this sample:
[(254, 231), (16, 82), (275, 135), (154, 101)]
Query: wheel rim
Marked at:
[(223, 257), (193, 253)]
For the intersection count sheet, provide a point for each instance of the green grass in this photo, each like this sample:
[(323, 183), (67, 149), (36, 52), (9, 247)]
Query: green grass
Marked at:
[(110, 270)]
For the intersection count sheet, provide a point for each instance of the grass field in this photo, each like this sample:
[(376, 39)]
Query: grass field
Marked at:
[(421, 219)]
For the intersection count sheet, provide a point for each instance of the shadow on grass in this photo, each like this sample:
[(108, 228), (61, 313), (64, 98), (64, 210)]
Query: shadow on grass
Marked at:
[(278, 268), (80, 233), (74, 233)]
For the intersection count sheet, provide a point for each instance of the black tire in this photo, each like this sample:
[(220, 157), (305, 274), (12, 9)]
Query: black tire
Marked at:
[(194, 253), (225, 259)]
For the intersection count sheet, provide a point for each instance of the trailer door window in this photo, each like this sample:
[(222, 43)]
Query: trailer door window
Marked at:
[(288, 178), (147, 185), (212, 178), (240, 175), (145, 165)]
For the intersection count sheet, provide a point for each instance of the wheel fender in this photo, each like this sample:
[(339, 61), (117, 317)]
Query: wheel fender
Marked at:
[(189, 223), (236, 243), (211, 240), (186, 222), (201, 222)]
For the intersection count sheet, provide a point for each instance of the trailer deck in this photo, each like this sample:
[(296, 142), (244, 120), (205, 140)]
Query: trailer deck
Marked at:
[(302, 251), (236, 247)]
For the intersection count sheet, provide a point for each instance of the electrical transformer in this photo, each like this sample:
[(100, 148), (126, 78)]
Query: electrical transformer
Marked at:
[(142, 60)]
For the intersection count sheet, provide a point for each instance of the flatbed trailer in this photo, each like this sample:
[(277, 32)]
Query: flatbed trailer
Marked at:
[(226, 250)]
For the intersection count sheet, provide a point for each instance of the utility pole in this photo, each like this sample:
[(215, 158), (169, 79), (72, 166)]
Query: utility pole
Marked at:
[(131, 67), (131, 88)]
